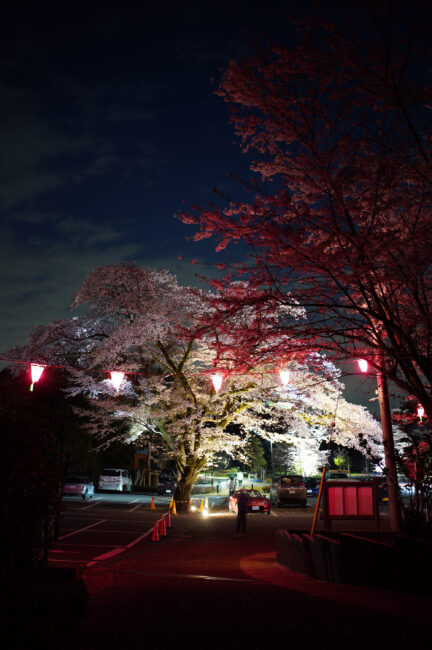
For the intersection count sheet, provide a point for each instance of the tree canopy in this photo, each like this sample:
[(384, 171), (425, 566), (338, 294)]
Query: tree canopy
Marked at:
[(141, 322), (337, 212)]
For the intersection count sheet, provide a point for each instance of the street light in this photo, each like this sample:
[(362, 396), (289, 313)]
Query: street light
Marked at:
[(272, 460), (389, 454)]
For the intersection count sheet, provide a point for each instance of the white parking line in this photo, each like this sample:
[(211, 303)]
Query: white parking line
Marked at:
[(120, 532), (138, 539), (92, 505), (111, 520), (134, 501), (105, 556), (75, 532), (71, 544), (134, 508), (67, 562), (119, 549)]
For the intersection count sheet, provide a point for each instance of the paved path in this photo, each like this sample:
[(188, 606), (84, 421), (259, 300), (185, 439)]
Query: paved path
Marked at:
[(202, 587)]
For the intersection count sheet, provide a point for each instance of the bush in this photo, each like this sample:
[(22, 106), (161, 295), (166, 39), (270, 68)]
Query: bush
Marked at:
[(30, 468), (50, 601), (203, 489)]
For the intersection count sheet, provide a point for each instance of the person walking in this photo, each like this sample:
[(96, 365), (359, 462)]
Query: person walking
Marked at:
[(242, 508)]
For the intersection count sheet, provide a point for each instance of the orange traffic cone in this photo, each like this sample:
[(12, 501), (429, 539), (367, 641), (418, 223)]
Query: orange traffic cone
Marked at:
[(168, 519), (201, 507), (152, 507), (162, 528), (155, 537), (171, 502), (173, 509), (206, 503)]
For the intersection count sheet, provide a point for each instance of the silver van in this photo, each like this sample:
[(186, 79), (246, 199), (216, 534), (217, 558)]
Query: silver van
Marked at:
[(114, 479)]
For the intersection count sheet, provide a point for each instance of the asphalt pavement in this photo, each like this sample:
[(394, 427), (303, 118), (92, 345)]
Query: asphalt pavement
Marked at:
[(203, 586)]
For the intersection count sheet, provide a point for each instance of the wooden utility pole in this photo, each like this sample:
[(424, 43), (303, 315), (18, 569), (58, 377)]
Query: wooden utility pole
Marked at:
[(389, 454)]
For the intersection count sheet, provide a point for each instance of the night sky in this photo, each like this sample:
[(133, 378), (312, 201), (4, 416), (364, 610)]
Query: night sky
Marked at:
[(109, 126), (109, 123)]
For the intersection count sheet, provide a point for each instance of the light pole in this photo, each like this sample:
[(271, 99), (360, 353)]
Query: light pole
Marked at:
[(272, 460), (388, 443)]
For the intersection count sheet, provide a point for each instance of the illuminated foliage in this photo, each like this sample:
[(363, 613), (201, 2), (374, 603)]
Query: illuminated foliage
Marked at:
[(141, 322), (338, 214)]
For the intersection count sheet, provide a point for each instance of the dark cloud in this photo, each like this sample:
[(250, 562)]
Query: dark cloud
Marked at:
[(108, 122)]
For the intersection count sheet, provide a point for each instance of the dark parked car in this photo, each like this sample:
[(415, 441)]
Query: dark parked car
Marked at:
[(383, 489), (167, 483), (312, 486), (256, 502), (78, 486), (288, 490)]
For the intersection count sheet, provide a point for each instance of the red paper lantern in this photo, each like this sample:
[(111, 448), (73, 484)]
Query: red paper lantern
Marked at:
[(217, 382), (363, 365), (117, 378), (36, 372)]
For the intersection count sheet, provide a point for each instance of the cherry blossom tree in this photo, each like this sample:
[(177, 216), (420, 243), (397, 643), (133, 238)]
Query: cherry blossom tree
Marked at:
[(337, 214), (141, 322), (414, 454)]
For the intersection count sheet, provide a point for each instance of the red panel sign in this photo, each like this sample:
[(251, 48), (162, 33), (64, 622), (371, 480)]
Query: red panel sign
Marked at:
[(351, 500), (366, 501), (335, 501)]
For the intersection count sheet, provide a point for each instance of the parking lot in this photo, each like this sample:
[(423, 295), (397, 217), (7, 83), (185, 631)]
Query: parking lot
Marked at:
[(103, 526), (109, 524)]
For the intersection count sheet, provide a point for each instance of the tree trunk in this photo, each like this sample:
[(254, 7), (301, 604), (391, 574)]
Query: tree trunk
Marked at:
[(188, 475), (389, 454), (182, 494)]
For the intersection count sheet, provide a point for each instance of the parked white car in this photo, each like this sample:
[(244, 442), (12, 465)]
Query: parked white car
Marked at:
[(114, 479)]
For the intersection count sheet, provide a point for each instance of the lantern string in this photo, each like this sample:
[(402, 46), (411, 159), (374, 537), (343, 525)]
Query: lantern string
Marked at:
[(209, 372)]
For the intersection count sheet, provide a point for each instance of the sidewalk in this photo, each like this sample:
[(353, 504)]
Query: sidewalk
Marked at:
[(202, 587), (265, 567)]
